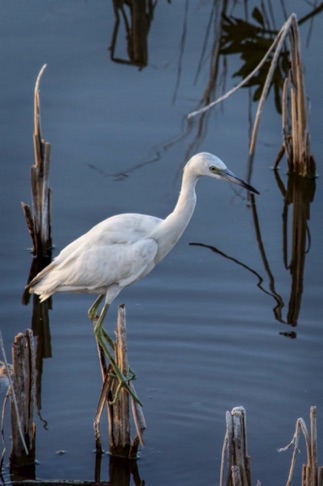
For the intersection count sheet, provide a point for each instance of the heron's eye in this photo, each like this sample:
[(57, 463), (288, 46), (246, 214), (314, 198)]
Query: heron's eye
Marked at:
[(214, 169)]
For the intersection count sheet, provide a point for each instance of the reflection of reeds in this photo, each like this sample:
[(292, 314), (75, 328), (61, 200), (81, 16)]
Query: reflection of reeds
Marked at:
[(296, 140), (272, 293), (137, 16), (298, 195)]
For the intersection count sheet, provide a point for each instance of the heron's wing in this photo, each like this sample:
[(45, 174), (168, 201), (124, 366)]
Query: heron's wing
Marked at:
[(98, 267), (125, 228), (116, 251)]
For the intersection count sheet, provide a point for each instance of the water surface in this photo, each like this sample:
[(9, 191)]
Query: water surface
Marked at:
[(203, 336)]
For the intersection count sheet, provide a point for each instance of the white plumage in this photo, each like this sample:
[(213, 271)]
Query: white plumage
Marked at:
[(115, 251)]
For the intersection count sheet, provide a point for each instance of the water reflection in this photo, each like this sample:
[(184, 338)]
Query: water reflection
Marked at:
[(232, 35), (252, 41), (40, 326), (272, 293), (137, 16), (224, 35), (298, 195), (121, 470)]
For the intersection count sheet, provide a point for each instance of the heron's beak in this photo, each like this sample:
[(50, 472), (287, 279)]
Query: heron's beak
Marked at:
[(229, 176)]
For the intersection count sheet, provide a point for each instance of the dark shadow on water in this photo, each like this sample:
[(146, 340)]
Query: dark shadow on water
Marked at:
[(272, 293)]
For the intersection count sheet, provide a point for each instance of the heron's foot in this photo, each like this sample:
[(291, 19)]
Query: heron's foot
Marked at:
[(124, 383), (92, 314), (129, 377), (123, 380), (106, 342)]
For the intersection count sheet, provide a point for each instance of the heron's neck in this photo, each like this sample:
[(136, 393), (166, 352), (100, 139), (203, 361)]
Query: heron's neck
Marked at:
[(186, 202), (172, 228)]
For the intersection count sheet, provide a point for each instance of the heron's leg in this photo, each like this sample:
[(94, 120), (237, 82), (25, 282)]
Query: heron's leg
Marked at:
[(92, 312), (102, 336)]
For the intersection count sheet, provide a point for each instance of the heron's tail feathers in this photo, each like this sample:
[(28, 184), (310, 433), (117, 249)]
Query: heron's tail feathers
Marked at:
[(42, 294), (43, 285)]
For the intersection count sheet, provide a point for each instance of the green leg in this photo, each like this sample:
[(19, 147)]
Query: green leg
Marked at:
[(102, 338), (92, 312)]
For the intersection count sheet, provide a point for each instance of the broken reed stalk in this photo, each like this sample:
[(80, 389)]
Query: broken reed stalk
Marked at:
[(120, 443), (312, 475), (38, 219), (11, 392), (234, 451), (22, 412), (294, 119), (235, 463)]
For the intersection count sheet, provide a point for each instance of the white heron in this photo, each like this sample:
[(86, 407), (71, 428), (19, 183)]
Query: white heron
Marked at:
[(125, 248)]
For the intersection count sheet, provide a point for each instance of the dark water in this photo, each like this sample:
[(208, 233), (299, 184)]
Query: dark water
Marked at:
[(203, 336)]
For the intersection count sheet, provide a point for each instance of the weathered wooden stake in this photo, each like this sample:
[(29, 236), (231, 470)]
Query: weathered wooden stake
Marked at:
[(234, 451), (23, 380), (38, 219), (119, 425)]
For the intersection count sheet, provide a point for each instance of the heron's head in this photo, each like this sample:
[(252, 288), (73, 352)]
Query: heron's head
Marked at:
[(205, 164)]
